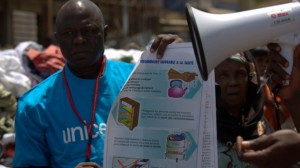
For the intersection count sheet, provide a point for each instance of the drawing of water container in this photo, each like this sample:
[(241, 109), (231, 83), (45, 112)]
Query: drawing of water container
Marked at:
[(177, 145)]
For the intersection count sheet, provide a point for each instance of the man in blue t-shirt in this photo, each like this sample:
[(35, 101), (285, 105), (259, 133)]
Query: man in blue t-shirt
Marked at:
[(61, 122)]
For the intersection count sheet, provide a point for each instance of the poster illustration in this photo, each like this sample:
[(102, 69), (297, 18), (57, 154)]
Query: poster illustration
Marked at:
[(164, 116)]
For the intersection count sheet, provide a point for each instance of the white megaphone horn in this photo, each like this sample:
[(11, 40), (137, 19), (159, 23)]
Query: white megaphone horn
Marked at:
[(217, 36)]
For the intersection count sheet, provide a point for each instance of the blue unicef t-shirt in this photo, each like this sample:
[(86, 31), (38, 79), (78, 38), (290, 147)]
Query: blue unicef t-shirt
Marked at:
[(48, 133)]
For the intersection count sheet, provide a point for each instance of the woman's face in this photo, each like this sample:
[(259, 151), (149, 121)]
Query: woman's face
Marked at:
[(232, 77)]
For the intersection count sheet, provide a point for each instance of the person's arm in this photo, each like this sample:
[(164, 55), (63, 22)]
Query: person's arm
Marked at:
[(88, 165), (31, 150), (279, 149), (161, 42), (289, 94)]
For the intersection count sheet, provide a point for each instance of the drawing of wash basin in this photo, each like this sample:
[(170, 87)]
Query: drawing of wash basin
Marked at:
[(175, 83)]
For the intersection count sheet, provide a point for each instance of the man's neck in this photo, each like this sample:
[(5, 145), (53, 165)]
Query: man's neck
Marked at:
[(90, 72)]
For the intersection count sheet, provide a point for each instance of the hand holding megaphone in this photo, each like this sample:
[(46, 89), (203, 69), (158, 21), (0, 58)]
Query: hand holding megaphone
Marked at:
[(277, 67), (288, 44), (242, 31), (289, 94)]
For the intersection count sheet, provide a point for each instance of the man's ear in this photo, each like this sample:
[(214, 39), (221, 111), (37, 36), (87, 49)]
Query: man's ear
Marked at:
[(105, 31)]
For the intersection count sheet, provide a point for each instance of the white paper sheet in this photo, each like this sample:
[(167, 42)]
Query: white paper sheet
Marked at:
[(165, 115)]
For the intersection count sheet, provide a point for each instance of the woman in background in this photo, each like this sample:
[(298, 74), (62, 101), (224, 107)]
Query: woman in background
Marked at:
[(239, 108)]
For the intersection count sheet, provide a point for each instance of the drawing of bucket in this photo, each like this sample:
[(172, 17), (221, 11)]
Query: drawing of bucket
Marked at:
[(177, 145)]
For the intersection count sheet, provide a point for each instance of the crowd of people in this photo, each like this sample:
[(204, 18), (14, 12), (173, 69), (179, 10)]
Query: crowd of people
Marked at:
[(87, 84)]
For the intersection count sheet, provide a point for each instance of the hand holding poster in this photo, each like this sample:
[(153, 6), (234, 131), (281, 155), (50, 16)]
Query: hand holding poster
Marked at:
[(164, 116)]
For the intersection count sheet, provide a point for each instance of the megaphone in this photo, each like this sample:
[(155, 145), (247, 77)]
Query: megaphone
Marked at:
[(217, 36)]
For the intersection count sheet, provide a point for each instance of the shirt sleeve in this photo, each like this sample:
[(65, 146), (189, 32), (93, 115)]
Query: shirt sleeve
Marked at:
[(31, 146)]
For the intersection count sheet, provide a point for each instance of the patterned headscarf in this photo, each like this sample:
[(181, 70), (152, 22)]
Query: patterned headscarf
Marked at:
[(240, 57)]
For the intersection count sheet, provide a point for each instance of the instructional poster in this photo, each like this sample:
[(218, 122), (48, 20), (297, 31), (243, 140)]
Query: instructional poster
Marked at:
[(165, 115)]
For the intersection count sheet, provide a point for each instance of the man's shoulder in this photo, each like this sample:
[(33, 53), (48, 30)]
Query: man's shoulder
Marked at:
[(119, 67), (120, 64), (42, 88)]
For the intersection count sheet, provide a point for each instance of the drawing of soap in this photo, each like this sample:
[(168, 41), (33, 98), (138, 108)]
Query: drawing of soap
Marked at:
[(185, 76)]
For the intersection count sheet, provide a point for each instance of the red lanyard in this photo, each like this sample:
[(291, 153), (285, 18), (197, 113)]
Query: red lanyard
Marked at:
[(89, 126)]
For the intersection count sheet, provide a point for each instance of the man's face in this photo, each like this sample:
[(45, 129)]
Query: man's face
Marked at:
[(80, 35), (232, 78)]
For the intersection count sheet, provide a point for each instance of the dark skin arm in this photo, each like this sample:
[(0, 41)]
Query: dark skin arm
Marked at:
[(281, 148), (290, 94), (88, 165)]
